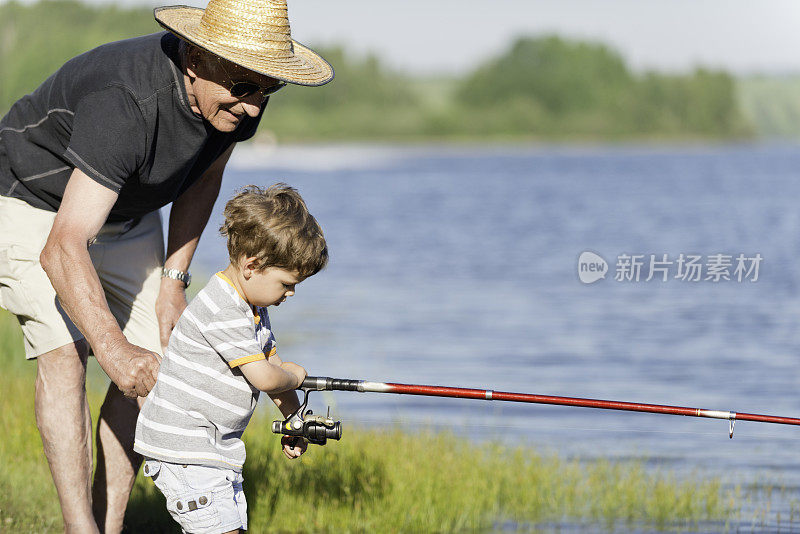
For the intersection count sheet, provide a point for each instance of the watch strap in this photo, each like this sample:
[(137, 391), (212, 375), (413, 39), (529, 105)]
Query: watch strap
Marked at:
[(177, 274)]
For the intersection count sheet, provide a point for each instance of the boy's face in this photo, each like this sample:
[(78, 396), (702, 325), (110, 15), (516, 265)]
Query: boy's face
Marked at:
[(270, 286)]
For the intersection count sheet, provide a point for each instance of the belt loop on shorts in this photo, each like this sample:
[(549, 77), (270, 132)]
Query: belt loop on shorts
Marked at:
[(151, 468)]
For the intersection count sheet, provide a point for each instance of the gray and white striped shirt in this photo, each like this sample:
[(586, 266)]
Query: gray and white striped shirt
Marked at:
[(201, 403)]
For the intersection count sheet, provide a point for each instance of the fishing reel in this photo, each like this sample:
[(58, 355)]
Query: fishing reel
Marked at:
[(303, 423)]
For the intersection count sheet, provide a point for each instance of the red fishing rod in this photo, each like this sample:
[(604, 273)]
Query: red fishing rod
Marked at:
[(297, 425)]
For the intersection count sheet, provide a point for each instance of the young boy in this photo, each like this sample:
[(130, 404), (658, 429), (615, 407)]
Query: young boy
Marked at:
[(222, 355)]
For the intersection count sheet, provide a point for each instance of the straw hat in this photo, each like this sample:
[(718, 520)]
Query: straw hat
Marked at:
[(252, 33)]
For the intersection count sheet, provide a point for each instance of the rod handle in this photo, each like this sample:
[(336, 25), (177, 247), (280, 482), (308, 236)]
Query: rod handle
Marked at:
[(324, 383)]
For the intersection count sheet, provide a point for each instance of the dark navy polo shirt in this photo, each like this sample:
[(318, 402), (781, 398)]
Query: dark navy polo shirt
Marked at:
[(120, 114)]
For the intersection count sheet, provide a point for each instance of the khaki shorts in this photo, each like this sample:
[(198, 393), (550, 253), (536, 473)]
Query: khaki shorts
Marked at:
[(127, 258), (202, 499)]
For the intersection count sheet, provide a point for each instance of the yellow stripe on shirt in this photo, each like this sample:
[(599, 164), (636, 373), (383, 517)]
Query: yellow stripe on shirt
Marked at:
[(256, 318), (224, 277), (247, 359), (252, 358)]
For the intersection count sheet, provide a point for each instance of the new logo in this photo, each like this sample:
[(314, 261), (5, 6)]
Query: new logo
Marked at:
[(591, 267)]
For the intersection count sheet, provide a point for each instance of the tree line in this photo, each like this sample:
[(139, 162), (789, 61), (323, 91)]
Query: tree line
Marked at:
[(543, 87)]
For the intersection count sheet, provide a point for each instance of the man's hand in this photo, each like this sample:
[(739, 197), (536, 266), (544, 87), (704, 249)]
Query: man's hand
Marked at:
[(293, 446), (170, 304), (133, 369)]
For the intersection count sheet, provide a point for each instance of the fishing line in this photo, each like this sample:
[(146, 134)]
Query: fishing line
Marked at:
[(385, 423)]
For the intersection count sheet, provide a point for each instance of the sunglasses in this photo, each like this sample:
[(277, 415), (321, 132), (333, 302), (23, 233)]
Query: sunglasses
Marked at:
[(245, 89)]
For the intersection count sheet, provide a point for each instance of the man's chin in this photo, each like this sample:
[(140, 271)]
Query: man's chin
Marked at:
[(225, 122), (224, 126)]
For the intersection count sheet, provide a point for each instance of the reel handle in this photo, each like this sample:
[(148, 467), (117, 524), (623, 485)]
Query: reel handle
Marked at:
[(324, 383)]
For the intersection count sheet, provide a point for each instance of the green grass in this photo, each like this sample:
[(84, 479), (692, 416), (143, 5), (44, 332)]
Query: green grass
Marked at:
[(373, 480), (437, 482)]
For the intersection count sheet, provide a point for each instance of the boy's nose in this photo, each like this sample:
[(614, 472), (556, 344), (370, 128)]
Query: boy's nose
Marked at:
[(290, 293)]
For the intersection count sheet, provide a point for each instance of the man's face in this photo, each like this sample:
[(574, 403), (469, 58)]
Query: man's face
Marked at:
[(212, 95)]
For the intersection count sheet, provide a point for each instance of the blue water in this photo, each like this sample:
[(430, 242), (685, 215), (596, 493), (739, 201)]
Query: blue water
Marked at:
[(458, 266)]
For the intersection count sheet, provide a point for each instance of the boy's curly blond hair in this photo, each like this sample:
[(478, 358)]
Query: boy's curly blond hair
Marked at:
[(274, 226)]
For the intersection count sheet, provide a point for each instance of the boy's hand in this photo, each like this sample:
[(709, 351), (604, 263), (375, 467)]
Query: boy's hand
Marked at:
[(293, 446), (296, 370)]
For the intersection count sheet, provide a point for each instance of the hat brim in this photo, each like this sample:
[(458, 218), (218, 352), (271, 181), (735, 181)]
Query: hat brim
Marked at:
[(304, 67)]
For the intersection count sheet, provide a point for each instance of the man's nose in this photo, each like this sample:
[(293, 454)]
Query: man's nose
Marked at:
[(252, 104), (290, 293)]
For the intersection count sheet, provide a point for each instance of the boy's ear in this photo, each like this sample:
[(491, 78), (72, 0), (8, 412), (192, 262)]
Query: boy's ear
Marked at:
[(248, 266)]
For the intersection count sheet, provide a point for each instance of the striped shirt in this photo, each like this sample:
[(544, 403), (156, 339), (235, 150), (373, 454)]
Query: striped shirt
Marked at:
[(201, 403)]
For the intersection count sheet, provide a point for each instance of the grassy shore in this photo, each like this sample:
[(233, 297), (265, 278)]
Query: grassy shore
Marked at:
[(384, 481)]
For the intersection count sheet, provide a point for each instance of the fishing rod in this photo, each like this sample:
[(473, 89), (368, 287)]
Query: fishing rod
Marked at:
[(317, 429)]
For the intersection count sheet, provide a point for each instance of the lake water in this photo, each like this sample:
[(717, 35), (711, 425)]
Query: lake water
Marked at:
[(458, 266)]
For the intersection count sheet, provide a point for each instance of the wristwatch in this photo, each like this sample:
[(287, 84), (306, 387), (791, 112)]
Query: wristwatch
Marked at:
[(175, 274)]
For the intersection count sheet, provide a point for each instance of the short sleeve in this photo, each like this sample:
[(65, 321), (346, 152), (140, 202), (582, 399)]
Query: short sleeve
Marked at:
[(271, 346), (265, 329), (232, 335), (108, 137), (249, 126)]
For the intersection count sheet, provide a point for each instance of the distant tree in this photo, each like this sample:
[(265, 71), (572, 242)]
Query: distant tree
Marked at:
[(571, 88), (703, 103), (561, 76), (540, 87), (358, 81), (36, 39)]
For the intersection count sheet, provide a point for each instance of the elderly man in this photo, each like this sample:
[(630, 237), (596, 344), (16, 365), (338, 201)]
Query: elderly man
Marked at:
[(86, 161)]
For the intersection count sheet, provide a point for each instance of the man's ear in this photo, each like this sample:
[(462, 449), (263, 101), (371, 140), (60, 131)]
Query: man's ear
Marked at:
[(194, 56)]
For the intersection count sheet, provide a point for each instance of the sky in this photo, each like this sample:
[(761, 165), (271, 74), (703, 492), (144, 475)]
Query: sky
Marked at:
[(452, 36), (743, 36)]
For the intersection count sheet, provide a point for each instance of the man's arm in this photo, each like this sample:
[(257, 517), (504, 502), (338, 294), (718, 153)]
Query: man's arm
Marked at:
[(187, 219), (65, 258)]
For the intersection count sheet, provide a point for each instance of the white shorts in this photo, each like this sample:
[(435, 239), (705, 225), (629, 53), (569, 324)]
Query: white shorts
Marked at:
[(127, 258), (203, 500)]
